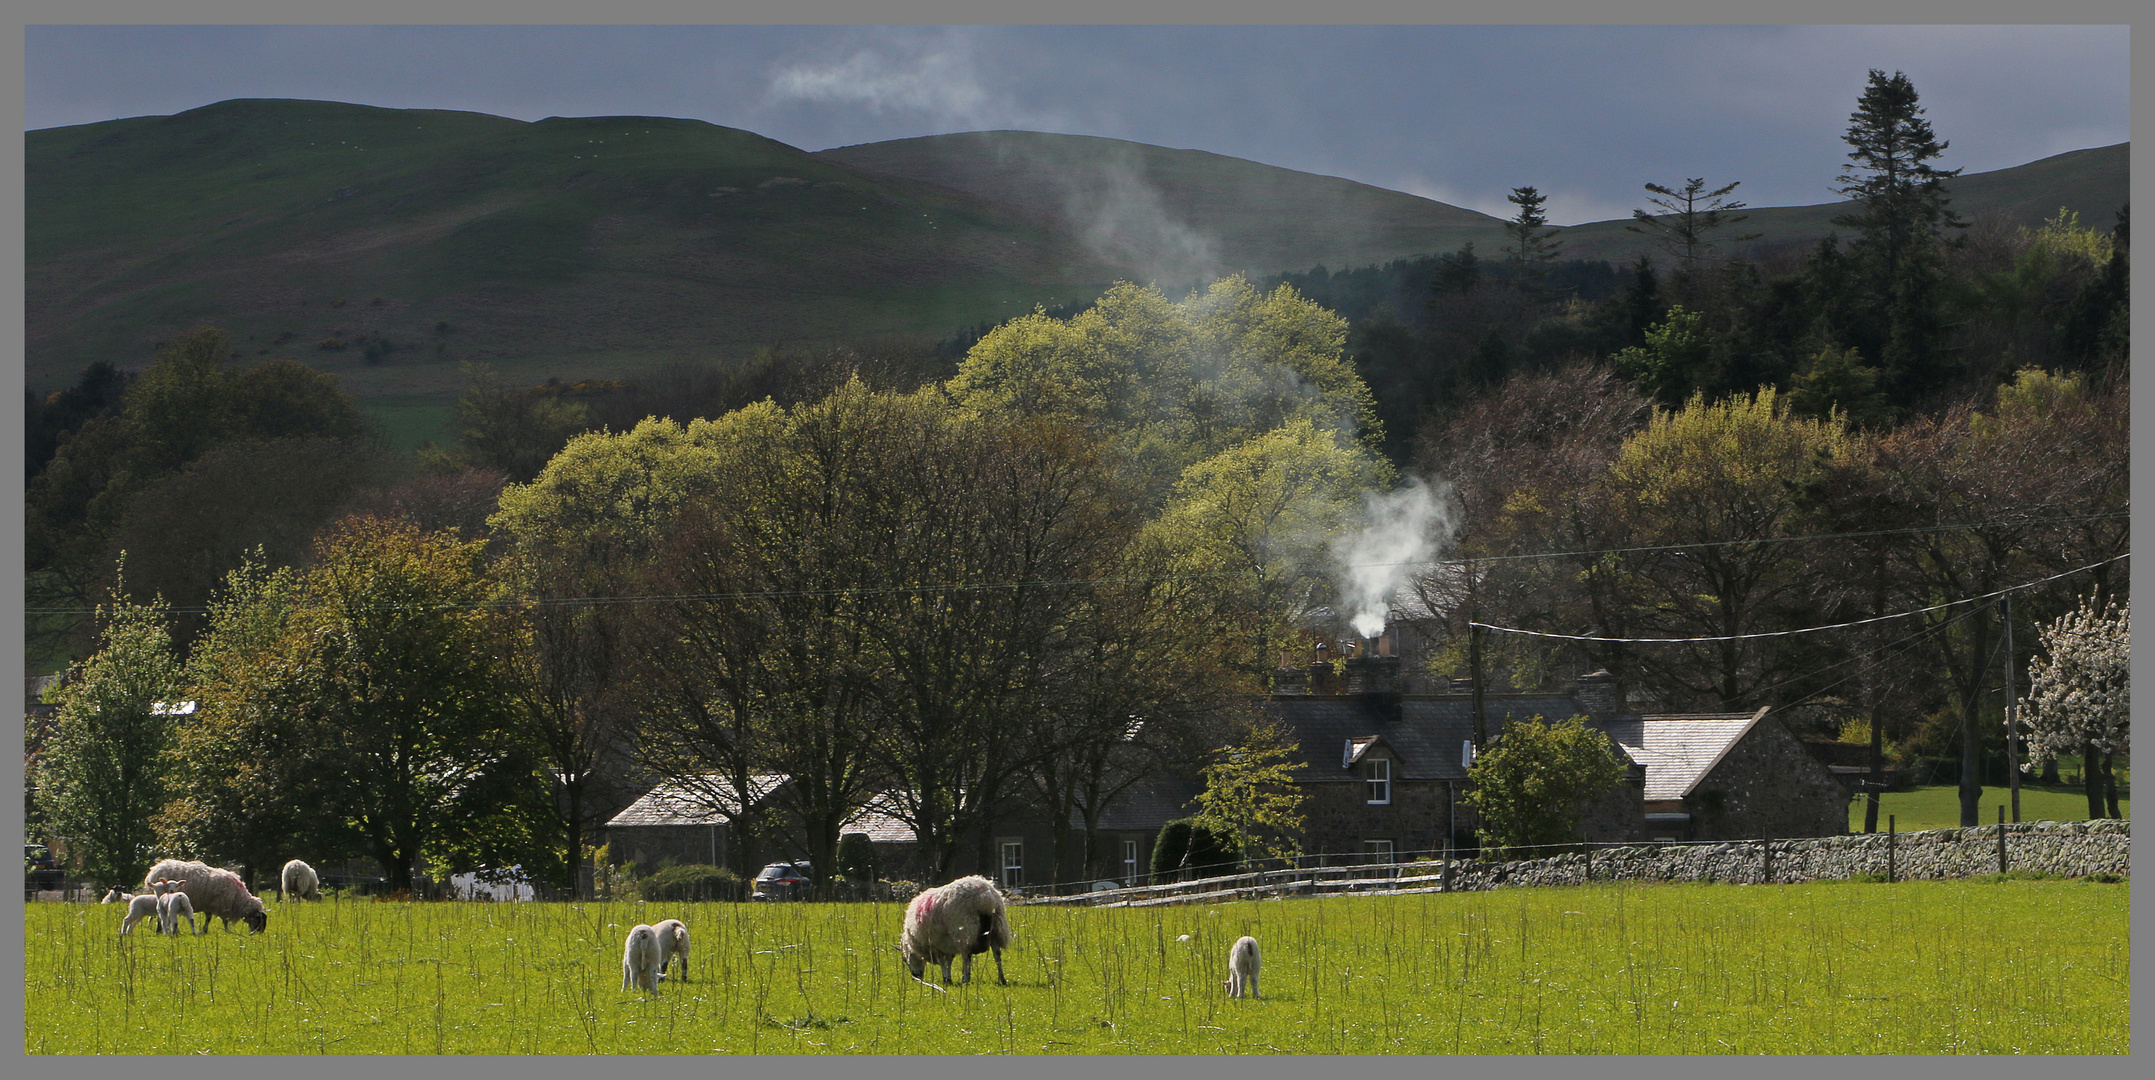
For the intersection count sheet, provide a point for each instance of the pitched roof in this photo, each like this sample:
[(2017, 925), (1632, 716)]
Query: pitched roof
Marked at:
[(1679, 749), (680, 804), (882, 828), (1425, 736)]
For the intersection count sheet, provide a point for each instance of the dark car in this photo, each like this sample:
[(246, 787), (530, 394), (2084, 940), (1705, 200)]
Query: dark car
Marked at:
[(782, 881), (40, 871)]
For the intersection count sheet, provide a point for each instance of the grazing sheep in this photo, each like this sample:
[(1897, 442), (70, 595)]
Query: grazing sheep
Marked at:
[(299, 878), (214, 892), (172, 906), (957, 920), (672, 942), (640, 960), (140, 906), (1242, 963)]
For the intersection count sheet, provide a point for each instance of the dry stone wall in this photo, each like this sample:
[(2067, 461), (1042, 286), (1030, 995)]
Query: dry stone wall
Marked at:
[(2069, 848)]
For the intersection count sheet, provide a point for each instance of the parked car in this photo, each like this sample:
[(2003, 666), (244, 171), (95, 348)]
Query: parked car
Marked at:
[(781, 881), (41, 871)]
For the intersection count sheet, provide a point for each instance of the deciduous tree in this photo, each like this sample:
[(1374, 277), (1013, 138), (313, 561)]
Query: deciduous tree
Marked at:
[(1531, 785)]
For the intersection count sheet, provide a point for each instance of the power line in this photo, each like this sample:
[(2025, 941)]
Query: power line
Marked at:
[(888, 590), (1807, 629)]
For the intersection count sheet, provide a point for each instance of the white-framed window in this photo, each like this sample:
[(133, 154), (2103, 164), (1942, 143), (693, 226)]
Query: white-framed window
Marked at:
[(1013, 862), (1377, 852), (1129, 862), (1378, 772)]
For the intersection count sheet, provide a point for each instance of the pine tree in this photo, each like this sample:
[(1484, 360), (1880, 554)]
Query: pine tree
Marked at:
[(1900, 207), (1688, 215), (1533, 245)]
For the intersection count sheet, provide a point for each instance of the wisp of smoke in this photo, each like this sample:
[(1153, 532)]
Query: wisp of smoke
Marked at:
[(1400, 530)]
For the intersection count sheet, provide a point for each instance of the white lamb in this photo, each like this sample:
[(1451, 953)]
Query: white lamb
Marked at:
[(299, 878), (140, 906), (1242, 964), (214, 892), (672, 942), (640, 960), (960, 919), (172, 906)]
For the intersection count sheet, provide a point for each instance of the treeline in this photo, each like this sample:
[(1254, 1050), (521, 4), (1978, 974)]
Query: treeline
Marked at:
[(1029, 585)]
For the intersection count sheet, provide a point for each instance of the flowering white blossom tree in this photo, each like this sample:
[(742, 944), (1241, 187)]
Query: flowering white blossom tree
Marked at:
[(2079, 694)]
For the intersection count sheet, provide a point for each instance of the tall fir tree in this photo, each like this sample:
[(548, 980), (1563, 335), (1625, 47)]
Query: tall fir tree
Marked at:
[(1901, 206), (1533, 243)]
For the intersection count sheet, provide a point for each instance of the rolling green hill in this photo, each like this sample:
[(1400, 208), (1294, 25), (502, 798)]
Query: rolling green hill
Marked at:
[(1181, 212), (591, 247), (566, 246)]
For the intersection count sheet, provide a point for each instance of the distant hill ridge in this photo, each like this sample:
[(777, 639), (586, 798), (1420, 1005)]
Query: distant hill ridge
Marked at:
[(595, 246)]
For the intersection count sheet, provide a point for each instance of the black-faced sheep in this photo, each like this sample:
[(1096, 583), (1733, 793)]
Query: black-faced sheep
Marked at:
[(955, 922), (1242, 964), (214, 892), (172, 906), (299, 880), (640, 959), (672, 942)]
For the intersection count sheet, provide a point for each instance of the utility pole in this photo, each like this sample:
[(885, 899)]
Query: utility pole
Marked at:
[(2012, 734), (1474, 664)]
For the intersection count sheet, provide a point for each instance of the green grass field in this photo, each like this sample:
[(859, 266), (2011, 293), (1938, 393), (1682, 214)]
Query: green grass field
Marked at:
[(1832, 968), (1937, 806)]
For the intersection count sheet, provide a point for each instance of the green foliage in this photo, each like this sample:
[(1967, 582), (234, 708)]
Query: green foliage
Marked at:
[(1533, 244), (1676, 359), (1251, 796), (516, 430), (1194, 845), (1171, 384), (104, 773), (1531, 785), (1838, 381), (677, 884), (856, 857), (1688, 218)]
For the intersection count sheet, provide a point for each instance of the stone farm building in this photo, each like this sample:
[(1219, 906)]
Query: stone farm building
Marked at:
[(1386, 771)]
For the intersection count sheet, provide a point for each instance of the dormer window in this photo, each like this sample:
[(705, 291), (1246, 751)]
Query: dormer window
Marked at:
[(1378, 773)]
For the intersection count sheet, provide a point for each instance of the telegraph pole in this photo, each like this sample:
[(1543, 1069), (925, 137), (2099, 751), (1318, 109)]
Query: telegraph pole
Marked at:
[(2012, 734)]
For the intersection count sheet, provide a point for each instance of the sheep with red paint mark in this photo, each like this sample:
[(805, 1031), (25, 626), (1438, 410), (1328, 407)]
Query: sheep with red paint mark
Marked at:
[(956, 921)]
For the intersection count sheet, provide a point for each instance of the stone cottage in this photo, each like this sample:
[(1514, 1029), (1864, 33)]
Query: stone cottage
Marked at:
[(1386, 772)]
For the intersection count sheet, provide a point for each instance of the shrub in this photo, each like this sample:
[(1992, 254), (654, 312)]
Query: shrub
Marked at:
[(695, 882), (1190, 844), (2105, 878), (856, 857)]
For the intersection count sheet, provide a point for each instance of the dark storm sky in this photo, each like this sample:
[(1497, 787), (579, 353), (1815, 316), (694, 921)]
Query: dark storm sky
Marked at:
[(1459, 114)]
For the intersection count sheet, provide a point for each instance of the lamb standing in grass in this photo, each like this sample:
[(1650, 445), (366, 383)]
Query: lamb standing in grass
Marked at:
[(214, 892), (299, 878), (140, 906), (172, 906), (1242, 963), (957, 920), (672, 942), (640, 960)]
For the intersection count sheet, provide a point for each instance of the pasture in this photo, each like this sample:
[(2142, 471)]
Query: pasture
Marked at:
[(1972, 966)]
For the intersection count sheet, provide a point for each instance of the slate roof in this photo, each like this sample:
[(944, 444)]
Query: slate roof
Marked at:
[(875, 820), (1145, 806), (1678, 750), (675, 804), (1425, 737)]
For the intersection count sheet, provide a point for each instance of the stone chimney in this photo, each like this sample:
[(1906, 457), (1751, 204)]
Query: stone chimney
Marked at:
[(1599, 695), (1291, 680), (1373, 675)]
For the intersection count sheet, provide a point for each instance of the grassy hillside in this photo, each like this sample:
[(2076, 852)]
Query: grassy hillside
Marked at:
[(2093, 183), (1181, 212), (592, 247), (566, 246)]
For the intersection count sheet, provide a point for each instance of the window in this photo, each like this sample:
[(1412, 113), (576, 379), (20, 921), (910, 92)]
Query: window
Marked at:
[(1129, 862), (1378, 771), (1377, 853), (1013, 863)]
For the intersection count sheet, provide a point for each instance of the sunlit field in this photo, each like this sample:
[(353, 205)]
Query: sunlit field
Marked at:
[(1975, 966)]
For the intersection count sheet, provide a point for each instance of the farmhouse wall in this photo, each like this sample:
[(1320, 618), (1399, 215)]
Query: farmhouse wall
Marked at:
[(1768, 787), (1340, 817)]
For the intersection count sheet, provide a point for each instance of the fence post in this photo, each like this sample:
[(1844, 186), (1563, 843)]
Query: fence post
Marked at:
[(1889, 849), (2001, 838), (1589, 861), (1765, 848), (1447, 865)]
